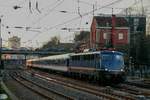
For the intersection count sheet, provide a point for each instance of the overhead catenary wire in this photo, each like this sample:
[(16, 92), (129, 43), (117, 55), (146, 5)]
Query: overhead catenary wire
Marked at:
[(30, 6), (79, 9), (75, 18), (90, 4), (126, 9), (37, 7), (39, 19), (49, 11), (85, 14), (54, 3), (79, 13), (46, 15), (21, 3)]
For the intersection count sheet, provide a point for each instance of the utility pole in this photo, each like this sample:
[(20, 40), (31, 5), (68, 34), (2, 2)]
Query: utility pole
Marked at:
[(0, 51), (1, 62), (0, 45)]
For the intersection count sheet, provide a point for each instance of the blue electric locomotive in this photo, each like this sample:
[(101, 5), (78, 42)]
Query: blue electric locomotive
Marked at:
[(100, 65)]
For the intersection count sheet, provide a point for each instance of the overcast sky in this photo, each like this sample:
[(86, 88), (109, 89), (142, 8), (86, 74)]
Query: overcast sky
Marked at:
[(49, 21)]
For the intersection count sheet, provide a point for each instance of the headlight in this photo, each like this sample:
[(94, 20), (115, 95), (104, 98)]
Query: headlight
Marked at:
[(122, 70), (106, 69)]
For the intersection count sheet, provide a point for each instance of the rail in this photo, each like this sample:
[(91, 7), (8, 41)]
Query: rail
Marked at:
[(42, 91), (89, 89)]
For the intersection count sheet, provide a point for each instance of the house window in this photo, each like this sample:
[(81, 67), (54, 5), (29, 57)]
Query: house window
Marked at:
[(105, 36), (136, 21), (120, 36)]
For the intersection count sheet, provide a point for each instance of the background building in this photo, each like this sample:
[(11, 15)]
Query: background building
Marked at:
[(14, 42), (137, 26), (124, 33), (109, 31)]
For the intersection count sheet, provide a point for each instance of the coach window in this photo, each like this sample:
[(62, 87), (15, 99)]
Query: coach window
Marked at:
[(78, 57), (75, 58), (86, 57), (72, 58), (81, 57), (92, 57)]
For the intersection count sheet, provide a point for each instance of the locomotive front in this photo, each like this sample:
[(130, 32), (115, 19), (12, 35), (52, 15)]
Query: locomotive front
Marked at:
[(112, 62)]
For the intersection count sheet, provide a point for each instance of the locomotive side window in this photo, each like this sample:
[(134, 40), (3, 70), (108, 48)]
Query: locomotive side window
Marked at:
[(86, 57), (87, 60), (92, 57)]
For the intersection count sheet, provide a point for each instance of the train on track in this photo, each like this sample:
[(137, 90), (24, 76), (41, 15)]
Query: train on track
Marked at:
[(99, 65)]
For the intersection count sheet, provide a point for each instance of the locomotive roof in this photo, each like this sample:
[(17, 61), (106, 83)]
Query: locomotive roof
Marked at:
[(63, 56), (86, 53), (66, 56), (97, 52)]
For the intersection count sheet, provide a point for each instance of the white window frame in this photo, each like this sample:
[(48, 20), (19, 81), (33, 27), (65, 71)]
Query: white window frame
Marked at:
[(120, 36), (105, 35)]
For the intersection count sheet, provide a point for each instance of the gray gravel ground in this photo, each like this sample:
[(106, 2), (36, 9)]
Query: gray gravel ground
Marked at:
[(22, 92)]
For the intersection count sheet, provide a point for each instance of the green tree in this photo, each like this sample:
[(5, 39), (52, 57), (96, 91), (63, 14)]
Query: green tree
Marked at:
[(83, 36), (53, 42), (81, 39), (145, 50)]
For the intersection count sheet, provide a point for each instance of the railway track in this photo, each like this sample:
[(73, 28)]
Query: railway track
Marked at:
[(127, 92), (147, 81), (134, 90), (107, 93), (40, 90), (143, 84)]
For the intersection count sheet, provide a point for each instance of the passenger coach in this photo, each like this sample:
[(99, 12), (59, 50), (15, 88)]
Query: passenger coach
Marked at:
[(99, 65)]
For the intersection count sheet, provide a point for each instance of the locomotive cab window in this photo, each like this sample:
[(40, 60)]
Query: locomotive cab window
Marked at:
[(106, 57)]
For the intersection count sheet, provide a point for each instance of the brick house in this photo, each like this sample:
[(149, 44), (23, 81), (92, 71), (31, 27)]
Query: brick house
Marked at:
[(107, 31)]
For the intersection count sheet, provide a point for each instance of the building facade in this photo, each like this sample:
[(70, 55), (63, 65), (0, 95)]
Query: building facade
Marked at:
[(109, 31), (125, 33), (14, 42), (137, 25), (117, 30)]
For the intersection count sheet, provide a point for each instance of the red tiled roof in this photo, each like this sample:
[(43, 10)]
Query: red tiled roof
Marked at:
[(104, 21)]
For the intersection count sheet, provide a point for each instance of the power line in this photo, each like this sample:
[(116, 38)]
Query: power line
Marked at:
[(85, 14), (49, 11), (37, 7), (22, 2), (79, 9), (126, 9), (84, 2), (90, 4), (75, 18), (50, 4)]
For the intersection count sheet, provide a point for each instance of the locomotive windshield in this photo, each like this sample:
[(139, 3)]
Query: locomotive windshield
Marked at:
[(112, 61)]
